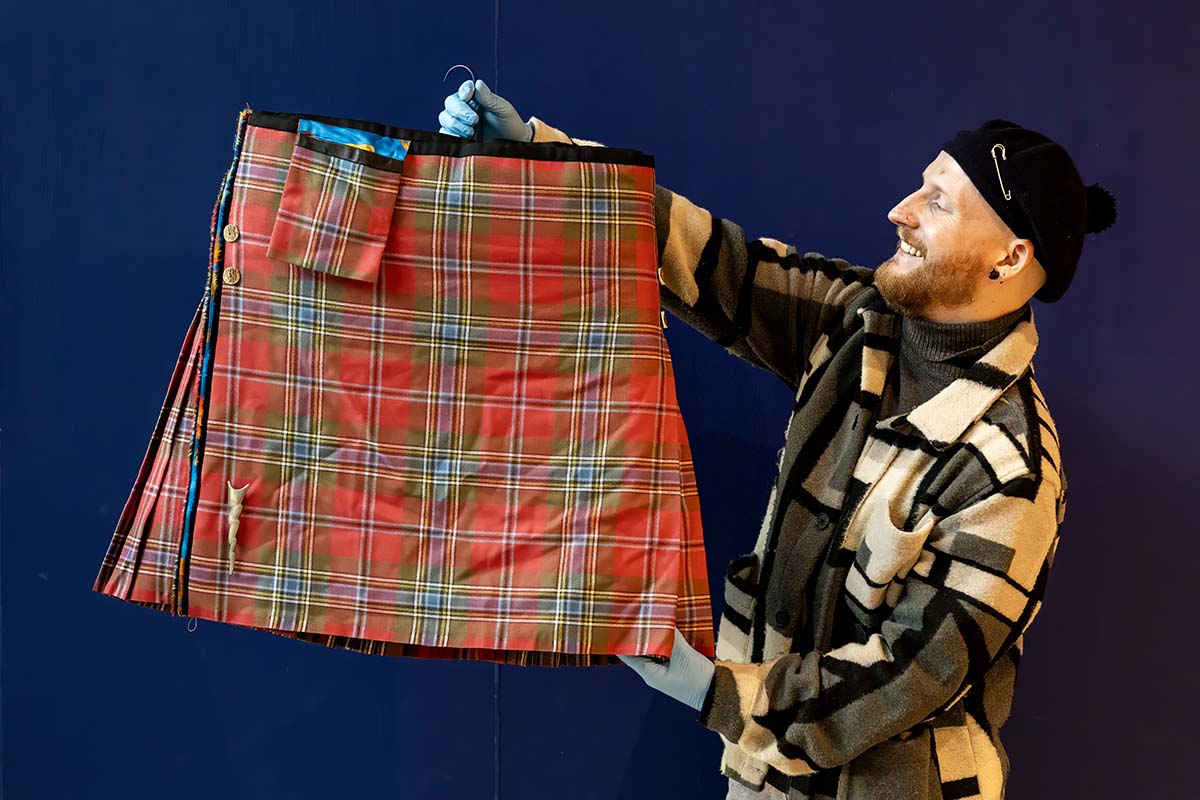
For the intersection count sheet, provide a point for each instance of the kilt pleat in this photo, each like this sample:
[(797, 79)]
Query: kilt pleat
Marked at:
[(433, 413), (146, 537)]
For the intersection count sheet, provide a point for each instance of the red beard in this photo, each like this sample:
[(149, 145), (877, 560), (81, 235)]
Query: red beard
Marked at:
[(930, 281)]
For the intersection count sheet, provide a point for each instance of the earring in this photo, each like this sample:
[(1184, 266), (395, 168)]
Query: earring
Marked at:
[(994, 274)]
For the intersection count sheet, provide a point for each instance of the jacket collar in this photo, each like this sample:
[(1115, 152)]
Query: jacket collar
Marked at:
[(942, 418)]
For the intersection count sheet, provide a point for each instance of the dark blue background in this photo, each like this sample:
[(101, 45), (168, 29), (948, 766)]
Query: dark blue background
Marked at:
[(802, 122)]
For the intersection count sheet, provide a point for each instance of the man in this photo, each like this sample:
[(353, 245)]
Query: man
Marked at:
[(869, 643)]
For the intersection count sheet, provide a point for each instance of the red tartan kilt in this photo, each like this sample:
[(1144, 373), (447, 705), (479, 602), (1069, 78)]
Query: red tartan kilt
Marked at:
[(443, 383)]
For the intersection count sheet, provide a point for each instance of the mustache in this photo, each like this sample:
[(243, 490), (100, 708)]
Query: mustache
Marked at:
[(914, 241)]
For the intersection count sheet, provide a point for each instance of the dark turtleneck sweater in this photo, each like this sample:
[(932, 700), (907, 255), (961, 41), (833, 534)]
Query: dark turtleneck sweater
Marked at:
[(934, 354)]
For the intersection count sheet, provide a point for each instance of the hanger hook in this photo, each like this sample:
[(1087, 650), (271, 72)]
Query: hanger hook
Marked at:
[(456, 66)]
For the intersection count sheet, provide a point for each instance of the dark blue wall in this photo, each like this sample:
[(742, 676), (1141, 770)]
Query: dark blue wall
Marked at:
[(801, 122)]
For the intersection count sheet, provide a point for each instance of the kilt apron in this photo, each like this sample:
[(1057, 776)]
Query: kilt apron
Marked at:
[(425, 407)]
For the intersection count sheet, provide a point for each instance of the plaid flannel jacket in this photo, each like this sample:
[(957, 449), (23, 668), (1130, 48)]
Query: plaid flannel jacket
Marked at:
[(869, 643)]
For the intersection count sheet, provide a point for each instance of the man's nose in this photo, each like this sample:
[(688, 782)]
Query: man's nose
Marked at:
[(899, 215)]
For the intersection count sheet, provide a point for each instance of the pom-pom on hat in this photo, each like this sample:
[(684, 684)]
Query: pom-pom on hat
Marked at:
[(1033, 185)]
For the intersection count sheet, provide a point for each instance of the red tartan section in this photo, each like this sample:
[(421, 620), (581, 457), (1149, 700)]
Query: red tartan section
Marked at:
[(469, 449), (334, 215)]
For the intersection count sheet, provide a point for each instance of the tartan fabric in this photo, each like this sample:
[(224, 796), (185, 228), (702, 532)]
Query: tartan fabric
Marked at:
[(335, 213), (464, 443)]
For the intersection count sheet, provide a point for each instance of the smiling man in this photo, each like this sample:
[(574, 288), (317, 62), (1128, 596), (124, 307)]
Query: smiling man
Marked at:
[(869, 642), (946, 231)]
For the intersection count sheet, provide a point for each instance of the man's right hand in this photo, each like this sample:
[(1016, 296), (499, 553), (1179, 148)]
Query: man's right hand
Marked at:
[(476, 109)]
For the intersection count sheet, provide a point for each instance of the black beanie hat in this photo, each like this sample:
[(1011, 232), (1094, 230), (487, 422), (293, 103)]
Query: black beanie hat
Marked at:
[(1033, 185)]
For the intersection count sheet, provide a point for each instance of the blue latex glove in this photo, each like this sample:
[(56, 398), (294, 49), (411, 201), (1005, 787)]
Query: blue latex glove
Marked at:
[(476, 109), (686, 677)]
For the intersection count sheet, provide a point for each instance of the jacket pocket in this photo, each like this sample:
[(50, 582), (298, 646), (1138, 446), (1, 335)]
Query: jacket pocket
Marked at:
[(891, 769), (885, 555), (956, 765), (336, 210), (741, 596)]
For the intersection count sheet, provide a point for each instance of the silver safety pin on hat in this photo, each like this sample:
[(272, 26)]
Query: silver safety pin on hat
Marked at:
[(1007, 194)]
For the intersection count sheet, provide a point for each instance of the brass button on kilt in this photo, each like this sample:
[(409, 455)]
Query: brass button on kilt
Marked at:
[(230, 232), (821, 521), (231, 275), (662, 315), (660, 276)]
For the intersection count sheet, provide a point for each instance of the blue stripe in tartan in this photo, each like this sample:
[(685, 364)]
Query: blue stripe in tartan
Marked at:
[(441, 482)]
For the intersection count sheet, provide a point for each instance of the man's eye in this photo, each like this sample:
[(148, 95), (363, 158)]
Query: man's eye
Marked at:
[(935, 205)]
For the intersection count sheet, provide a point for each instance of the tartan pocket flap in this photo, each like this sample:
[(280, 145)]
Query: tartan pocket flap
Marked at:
[(337, 205)]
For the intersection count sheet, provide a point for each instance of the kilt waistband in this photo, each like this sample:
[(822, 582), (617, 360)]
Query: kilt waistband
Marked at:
[(442, 144)]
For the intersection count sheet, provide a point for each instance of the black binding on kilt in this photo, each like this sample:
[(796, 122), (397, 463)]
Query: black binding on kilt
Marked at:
[(443, 144)]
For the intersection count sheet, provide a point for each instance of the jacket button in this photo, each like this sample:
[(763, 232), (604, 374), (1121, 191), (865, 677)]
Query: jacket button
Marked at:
[(230, 232), (782, 618), (821, 521), (231, 275)]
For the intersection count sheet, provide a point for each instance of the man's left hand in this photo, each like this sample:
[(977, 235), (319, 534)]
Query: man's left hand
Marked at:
[(685, 677)]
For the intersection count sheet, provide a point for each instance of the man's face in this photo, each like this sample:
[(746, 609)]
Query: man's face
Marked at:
[(946, 220)]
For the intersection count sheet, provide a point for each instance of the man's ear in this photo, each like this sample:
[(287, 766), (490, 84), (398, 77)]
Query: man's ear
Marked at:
[(1020, 256)]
